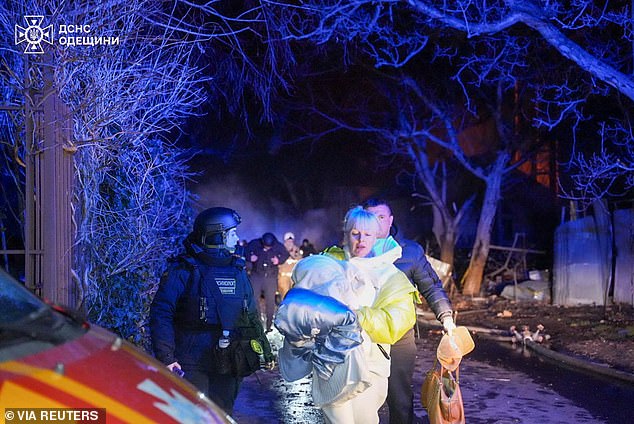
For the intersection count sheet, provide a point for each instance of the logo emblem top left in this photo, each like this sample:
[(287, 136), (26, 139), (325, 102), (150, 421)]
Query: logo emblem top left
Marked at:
[(33, 34)]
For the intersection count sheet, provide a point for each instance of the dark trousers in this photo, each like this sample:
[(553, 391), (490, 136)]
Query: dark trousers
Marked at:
[(265, 283), (400, 397), (221, 389)]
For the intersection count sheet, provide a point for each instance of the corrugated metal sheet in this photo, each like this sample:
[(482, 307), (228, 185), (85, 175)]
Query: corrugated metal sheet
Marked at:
[(580, 270), (624, 240)]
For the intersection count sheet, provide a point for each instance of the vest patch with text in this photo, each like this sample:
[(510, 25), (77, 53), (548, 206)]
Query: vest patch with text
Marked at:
[(226, 285)]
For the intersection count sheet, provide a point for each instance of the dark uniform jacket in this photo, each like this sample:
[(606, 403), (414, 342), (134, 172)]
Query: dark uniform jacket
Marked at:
[(183, 327), (419, 271), (264, 265)]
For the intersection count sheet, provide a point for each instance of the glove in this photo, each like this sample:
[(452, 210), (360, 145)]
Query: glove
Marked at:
[(448, 325), (267, 366), (175, 367)]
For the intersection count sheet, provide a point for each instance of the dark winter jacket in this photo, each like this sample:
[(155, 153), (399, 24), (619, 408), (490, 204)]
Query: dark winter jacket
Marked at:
[(264, 265), (419, 271), (202, 293)]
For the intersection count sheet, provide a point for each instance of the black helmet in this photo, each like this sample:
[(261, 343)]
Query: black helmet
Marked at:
[(268, 239), (211, 224)]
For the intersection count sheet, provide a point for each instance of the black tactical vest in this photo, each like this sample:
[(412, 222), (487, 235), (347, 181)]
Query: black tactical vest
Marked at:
[(215, 294)]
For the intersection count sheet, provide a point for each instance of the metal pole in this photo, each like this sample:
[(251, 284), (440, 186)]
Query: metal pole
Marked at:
[(29, 186)]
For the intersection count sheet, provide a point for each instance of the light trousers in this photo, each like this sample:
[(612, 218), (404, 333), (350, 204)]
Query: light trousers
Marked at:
[(361, 409)]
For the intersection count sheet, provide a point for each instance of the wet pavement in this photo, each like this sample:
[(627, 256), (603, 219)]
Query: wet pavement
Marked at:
[(500, 384)]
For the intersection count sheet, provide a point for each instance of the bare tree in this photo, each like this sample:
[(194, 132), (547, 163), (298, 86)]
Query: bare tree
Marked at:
[(12, 150), (394, 31), (127, 98), (524, 47), (596, 37), (603, 172), (239, 50), (130, 199)]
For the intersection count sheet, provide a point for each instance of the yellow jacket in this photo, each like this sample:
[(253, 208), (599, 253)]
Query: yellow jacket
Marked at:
[(393, 313)]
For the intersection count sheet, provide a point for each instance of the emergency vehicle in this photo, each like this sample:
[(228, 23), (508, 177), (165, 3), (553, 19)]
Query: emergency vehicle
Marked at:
[(52, 361)]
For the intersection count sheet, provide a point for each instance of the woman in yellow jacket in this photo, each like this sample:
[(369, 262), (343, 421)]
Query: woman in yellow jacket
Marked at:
[(383, 306)]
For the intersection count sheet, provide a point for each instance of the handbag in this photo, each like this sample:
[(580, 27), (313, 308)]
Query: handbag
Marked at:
[(441, 396)]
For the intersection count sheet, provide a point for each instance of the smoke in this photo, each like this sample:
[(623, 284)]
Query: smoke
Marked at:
[(262, 213)]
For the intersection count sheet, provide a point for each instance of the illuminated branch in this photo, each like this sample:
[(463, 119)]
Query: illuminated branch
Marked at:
[(131, 206), (565, 55)]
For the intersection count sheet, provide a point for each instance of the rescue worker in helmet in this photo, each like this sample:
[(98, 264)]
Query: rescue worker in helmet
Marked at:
[(285, 269), (289, 241), (265, 255), (201, 298)]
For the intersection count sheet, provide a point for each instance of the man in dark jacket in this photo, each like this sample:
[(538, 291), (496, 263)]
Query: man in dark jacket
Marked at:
[(420, 273), (266, 254), (203, 294)]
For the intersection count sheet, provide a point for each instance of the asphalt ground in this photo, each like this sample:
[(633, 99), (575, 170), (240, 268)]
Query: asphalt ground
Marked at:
[(500, 383)]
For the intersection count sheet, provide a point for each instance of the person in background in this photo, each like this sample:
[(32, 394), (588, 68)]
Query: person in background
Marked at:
[(285, 269), (420, 273), (307, 248), (191, 310), (265, 255), (289, 241)]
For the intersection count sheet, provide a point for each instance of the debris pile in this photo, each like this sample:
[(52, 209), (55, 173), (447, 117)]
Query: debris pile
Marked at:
[(537, 336)]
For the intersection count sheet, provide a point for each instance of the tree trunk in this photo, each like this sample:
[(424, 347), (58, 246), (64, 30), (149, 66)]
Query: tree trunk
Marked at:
[(447, 248), (472, 279), (445, 230), (445, 225)]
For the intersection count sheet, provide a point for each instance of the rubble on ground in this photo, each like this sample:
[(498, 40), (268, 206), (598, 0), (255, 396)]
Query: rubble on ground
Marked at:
[(602, 334)]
